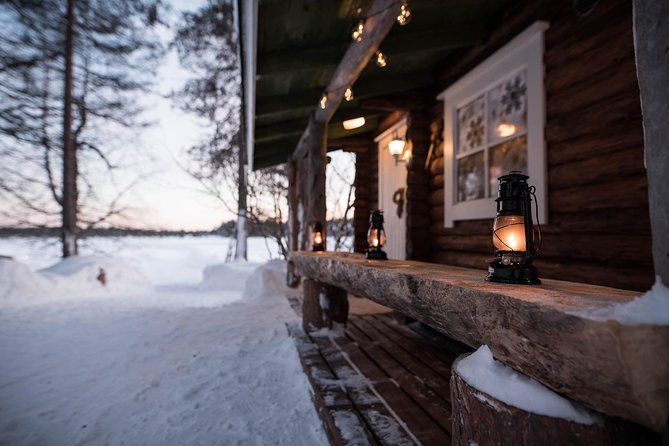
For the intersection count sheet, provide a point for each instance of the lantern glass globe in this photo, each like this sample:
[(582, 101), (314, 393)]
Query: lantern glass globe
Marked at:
[(509, 233)]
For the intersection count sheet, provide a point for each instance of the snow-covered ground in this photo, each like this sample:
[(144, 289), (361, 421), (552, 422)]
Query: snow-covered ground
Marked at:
[(160, 355)]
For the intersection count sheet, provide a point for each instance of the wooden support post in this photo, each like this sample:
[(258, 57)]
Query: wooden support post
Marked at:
[(479, 418), (314, 144), (292, 279), (651, 45), (323, 305)]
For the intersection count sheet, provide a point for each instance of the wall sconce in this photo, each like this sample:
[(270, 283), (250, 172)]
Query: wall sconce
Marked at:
[(317, 239), (400, 149), (376, 237), (354, 123), (513, 233)]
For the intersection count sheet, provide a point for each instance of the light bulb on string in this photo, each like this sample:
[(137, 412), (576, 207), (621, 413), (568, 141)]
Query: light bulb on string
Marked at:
[(381, 60), (404, 16), (348, 94), (358, 30), (323, 102)]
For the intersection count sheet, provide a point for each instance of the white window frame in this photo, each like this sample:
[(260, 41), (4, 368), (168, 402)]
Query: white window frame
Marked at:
[(524, 51)]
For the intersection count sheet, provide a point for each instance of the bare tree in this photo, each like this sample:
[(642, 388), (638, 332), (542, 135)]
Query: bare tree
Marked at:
[(70, 72)]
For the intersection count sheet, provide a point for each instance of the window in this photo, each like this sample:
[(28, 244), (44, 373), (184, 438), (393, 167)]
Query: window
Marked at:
[(493, 124)]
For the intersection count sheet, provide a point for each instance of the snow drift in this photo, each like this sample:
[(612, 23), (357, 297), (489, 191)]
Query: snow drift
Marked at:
[(17, 281), (266, 281), (80, 274), (227, 276)]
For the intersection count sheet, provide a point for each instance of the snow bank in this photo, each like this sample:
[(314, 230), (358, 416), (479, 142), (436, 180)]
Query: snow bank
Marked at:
[(649, 308), (268, 280), (17, 281), (79, 274), (227, 276), (481, 371)]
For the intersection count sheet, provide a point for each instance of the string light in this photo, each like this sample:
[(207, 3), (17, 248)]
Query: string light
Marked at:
[(405, 14), (348, 94), (324, 101), (358, 30), (381, 60)]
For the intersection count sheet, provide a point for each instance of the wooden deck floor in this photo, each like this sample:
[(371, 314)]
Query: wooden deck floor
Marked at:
[(378, 381)]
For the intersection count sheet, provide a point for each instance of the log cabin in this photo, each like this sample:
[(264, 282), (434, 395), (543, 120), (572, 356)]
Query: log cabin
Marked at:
[(473, 90)]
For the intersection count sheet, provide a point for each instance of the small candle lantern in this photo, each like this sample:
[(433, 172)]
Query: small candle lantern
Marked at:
[(513, 232), (317, 238), (376, 237)]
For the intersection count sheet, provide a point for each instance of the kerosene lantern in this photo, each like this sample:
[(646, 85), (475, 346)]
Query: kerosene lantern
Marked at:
[(513, 232), (376, 237), (317, 239)]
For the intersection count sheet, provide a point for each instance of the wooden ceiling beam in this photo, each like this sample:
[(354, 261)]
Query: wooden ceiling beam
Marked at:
[(377, 86), (319, 58), (294, 128)]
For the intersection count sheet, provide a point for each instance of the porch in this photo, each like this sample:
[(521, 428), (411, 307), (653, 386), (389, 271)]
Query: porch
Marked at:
[(378, 381)]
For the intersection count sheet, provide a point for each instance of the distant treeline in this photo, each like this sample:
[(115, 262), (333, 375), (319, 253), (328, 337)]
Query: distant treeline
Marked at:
[(227, 229)]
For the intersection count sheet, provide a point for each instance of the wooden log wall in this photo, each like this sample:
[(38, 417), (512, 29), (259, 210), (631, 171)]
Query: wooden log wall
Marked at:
[(599, 229)]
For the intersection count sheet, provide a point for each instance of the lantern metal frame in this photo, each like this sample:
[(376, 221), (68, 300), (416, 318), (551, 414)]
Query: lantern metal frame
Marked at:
[(514, 197), (376, 223), (318, 228)]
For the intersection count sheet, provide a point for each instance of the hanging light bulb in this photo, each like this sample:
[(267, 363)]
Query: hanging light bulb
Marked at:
[(348, 94), (357, 30), (323, 102), (381, 60), (404, 16)]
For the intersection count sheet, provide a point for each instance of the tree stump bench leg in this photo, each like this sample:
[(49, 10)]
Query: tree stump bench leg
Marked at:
[(323, 305), (481, 419)]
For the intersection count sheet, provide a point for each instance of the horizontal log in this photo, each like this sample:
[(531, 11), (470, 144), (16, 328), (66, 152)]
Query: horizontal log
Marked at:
[(537, 330), (598, 117), (629, 193), (437, 166), (437, 181), (437, 213), (436, 197), (606, 169), (597, 143), (622, 80)]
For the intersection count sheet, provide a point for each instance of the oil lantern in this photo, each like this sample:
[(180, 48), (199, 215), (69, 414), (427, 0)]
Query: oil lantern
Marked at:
[(317, 239), (376, 237), (513, 232)]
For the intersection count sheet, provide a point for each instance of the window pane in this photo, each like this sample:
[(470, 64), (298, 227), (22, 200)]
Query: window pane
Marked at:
[(471, 126), (505, 157), (507, 108), (471, 180)]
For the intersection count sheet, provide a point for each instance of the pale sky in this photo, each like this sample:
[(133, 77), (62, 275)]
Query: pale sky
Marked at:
[(168, 198)]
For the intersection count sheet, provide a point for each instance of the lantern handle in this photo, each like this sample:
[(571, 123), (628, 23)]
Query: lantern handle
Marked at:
[(532, 191)]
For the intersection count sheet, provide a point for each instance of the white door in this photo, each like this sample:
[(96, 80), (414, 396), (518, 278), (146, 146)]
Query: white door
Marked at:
[(392, 192)]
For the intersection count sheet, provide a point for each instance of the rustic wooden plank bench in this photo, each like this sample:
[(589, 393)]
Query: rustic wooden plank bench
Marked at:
[(542, 331)]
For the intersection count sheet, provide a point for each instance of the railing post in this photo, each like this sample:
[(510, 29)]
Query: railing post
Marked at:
[(324, 305)]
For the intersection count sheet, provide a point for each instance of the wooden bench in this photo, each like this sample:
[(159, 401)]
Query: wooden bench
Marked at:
[(542, 331)]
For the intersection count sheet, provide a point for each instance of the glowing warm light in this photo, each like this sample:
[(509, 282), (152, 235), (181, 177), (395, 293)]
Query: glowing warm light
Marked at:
[(396, 147), (358, 30), (354, 123), (505, 130), (404, 16), (324, 101), (348, 94), (375, 239), (381, 60), (509, 233), (318, 239)]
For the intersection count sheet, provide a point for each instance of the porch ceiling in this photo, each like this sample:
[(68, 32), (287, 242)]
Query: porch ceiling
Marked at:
[(301, 43)]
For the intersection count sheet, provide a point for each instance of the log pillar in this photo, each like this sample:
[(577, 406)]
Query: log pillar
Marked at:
[(323, 305), (479, 418), (651, 47), (292, 279), (317, 154)]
